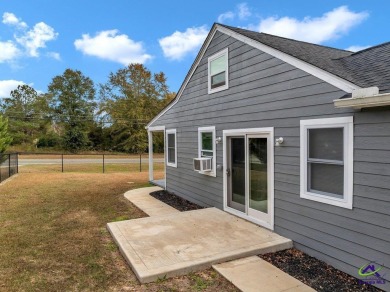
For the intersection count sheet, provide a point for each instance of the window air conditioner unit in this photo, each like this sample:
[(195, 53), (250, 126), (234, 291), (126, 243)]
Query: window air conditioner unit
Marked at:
[(203, 164)]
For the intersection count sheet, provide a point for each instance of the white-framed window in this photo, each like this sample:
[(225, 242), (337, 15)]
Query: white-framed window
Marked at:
[(218, 71), (327, 161), (207, 147), (171, 148)]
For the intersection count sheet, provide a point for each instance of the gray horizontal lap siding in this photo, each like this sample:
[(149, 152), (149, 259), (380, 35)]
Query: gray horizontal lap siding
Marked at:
[(266, 92)]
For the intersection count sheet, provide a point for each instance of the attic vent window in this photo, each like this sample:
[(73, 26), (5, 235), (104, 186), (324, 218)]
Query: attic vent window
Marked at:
[(218, 71)]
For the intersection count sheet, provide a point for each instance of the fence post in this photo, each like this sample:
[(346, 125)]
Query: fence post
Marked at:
[(103, 163), (17, 162), (140, 163), (62, 162), (1, 159), (9, 165)]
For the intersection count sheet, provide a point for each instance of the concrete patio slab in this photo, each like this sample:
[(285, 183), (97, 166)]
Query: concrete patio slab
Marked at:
[(148, 204), (252, 274), (178, 243)]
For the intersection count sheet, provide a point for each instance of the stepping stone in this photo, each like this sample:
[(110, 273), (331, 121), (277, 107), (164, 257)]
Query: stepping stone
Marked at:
[(252, 274)]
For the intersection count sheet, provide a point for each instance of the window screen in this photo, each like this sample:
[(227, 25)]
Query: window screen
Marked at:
[(325, 161), (326, 143), (217, 72), (171, 148), (207, 144)]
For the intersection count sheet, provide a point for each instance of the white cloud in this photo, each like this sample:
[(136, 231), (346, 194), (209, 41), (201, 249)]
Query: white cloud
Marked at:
[(9, 51), (243, 11), (6, 86), (29, 40), (224, 16), (11, 19), (357, 48), (36, 38), (329, 26), (110, 45), (54, 55), (179, 44)]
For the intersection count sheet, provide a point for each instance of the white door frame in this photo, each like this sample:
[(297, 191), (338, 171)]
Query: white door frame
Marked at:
[(269, 132), (150, 141)]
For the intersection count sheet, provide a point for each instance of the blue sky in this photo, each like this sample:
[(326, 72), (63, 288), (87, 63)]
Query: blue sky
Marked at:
[(39, 39)]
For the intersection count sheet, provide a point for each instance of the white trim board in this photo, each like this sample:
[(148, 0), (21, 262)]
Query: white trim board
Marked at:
[(156, 129), (304, 66)]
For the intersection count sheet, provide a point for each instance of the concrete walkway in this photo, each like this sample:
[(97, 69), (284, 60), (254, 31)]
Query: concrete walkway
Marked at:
[(148, 204), (252, 274)]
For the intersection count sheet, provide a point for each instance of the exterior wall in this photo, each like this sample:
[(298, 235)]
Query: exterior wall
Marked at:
[(266, 92)]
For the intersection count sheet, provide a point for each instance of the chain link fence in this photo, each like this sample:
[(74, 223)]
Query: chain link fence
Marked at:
[(8, 165)]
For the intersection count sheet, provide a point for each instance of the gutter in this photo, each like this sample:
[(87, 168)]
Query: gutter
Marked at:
[(363, 98)]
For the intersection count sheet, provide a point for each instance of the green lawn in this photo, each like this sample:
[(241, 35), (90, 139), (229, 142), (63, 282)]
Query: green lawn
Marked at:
[(53, 235)]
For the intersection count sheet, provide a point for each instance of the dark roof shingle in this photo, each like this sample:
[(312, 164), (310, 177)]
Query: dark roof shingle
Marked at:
[(369, 67)]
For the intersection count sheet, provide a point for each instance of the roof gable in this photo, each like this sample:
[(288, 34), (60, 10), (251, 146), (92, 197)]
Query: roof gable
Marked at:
[(366, 68), (268, 45)]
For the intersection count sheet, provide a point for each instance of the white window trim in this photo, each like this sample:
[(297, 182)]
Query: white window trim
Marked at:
[(225, 53), (347, 124), (171, 131), (212, 130)]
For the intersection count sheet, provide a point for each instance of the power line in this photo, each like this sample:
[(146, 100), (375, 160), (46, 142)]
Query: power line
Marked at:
[(141, 121), (54, 116)]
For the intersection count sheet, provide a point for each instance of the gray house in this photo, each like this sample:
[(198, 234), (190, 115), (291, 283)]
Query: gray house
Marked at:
[(292, 136)]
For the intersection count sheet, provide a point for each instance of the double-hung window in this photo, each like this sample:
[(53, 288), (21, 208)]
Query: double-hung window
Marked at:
[(171, 148), (218, 72), (206, 147), (327, 161)]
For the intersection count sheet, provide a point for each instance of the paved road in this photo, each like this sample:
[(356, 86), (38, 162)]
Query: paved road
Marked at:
[(86, 161)]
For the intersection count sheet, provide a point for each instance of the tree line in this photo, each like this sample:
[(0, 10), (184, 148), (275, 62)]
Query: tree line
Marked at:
[(75, 114)]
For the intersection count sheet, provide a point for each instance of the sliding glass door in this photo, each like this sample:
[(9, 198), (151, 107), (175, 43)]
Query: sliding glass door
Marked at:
[(249, 177)]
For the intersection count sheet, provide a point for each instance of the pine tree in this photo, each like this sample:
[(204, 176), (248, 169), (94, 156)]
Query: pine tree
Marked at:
[(5, 138), (72, 101)]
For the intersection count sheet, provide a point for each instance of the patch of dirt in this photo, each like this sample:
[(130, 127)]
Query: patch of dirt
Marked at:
[(80, 216), (315, 273), (175, 201)]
